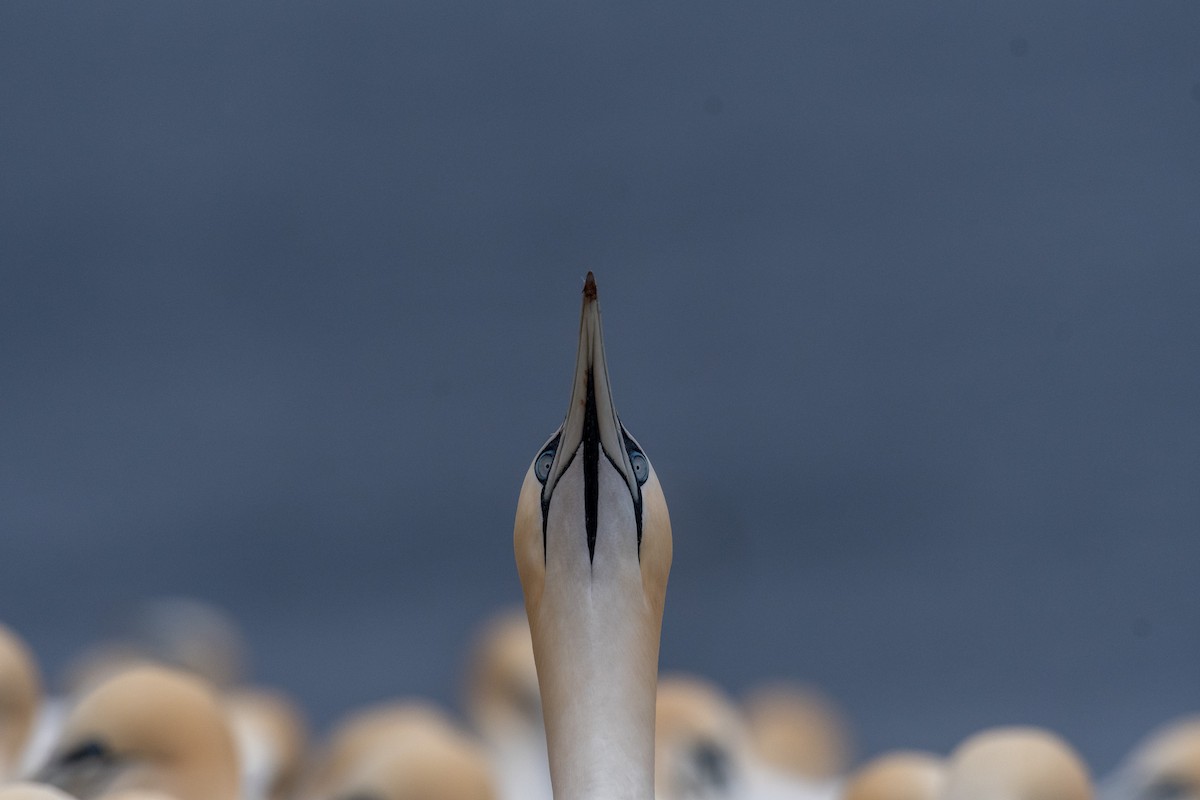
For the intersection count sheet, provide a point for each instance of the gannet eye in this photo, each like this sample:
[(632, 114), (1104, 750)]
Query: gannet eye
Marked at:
[(90, 751), (541, 467), (641, 467)]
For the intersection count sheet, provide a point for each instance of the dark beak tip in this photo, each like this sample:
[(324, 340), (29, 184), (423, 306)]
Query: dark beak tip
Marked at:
[(589, 287)]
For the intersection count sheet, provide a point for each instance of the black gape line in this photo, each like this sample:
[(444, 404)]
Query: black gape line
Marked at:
[(551, 447)]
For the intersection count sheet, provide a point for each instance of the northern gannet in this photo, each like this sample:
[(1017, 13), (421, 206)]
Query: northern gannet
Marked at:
[(700, 746), (20, 697), (1166, 766), (147, 728), (799, 732), (592, 540), (425, 763), (899, 775), (356, 739), (505, 708), (1016, 764)]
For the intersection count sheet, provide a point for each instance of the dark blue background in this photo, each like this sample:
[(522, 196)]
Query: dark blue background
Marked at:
[(900, 298)]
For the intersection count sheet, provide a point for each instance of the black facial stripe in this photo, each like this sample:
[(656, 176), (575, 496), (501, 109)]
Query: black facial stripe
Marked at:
[(630, 444), (591, 466)]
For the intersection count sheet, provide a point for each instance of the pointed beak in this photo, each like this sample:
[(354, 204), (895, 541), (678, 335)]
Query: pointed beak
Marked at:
[(591, 418)]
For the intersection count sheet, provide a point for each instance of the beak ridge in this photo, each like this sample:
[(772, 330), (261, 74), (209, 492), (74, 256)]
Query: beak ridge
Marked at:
[(591, 388)]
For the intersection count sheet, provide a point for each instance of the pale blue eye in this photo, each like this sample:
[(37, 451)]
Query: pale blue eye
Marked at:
[(641, 467), (541, 467)]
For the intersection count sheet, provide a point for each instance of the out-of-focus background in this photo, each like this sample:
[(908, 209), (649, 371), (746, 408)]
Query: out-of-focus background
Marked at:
[(901, 299)]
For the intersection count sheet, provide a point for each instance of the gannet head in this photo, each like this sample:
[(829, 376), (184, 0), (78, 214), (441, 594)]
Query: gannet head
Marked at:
[(700, 747), (1167, 765), (591, 510), (593, 549), (797, 730), (20, 695), (903, 775), (1016, 764), (361, 734), (430, 763), (148, 728)]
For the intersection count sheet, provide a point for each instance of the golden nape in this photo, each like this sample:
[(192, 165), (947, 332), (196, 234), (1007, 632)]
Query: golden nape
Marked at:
[(401, 751), (1016, 764), (701, 750), (148, 728), (899, 775), (593, 548)]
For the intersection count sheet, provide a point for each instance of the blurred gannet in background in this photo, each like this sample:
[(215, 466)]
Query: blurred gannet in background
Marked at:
[(900, 775), (798, 731), (700, 747), (20, 697), (800, 741), (400, 751), (146, 728), (195, 637), (592, 541), (418, 763), (505, 708), (359, 736), (183, 633), (1165, 766), (31, 791), (1016, 764), (271, 738)]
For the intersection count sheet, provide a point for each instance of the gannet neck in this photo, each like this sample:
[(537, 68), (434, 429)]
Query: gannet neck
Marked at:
[(593, 549)]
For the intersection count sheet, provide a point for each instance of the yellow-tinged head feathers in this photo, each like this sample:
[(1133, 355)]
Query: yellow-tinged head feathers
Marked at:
[(422, 764), (147, 728), (798, 730), (1016, 764), (902, 775), (401, 751), (700, 747), (359, 736)]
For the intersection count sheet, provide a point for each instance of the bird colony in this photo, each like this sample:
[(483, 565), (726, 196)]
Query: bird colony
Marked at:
[(563, 699)]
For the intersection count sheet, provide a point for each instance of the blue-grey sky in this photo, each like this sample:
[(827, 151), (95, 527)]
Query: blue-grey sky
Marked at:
[(901, 299)]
